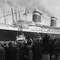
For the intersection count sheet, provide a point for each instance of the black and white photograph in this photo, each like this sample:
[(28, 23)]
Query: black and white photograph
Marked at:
[(29, 29)]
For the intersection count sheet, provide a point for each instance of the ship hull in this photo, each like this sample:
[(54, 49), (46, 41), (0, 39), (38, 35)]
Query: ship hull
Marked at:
[(10, 35)]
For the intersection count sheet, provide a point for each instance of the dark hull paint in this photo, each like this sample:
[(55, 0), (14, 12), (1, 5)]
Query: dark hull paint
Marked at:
[(9, 35)]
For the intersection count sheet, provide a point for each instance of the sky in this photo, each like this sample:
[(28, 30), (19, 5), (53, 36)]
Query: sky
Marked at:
[(50, 7)]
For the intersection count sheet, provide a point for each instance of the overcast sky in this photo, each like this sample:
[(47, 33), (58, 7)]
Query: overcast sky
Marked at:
[(50, 7)]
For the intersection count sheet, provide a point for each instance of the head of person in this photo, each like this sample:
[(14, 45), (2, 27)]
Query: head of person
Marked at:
[(46, 35), (10, 44), (29, 42), (5, 44)]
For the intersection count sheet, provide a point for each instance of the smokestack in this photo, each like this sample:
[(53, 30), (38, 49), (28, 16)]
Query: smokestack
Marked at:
[(37, 16), (12, 15), (53, 21)]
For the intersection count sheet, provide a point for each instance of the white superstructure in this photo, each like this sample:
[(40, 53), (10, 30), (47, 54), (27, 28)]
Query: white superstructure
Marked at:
[(32, 26)]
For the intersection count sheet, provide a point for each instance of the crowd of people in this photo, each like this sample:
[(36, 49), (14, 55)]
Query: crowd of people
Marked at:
[(32, 50)]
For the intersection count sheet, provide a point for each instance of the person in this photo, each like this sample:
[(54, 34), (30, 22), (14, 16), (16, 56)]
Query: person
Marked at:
[(46, 44), (23, 53), (30, 55), (36, 51), (17, 48), (56, 47), (6, 51), (2, 52), (51, 48), (40, 44), (45, 47), (12, 52)]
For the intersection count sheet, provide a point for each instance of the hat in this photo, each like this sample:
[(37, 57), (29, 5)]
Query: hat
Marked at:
[(21, 38)]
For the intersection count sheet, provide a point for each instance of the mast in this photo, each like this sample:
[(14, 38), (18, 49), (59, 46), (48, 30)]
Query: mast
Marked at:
[(4, 17), (12, 16), (16, 15), (19, 14)]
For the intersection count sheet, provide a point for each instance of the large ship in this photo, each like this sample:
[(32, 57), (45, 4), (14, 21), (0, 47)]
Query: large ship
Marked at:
[(29, 28)]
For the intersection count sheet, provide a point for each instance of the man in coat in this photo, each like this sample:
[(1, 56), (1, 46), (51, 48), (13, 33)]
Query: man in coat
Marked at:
[(2, 52), (36, 51), (24, 51), (12, 52)]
